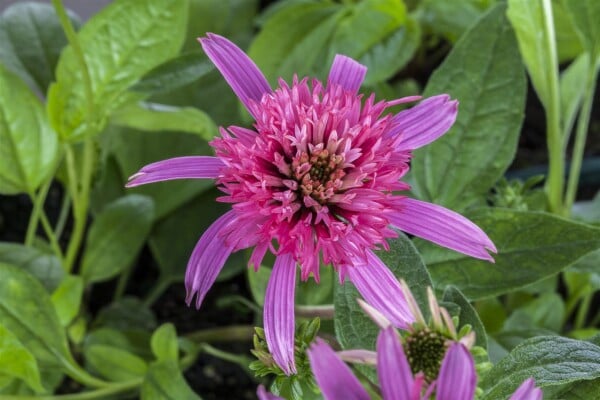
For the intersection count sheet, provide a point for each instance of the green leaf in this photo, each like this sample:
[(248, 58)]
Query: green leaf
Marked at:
[(121, 43), (128, 313), (257, 281), (509, 339), (132, 341), (29, 147), (44, 266), (547, 311), (16, 361), (484, 73), (160, 117), (572, 86), (312, 293), (116, 236), (31, 39), (531, 246), (164, 381), (164, 343), (585, 15), (568, 44), (67, 299), (450, 19), (579, 390), (551, 360), (26, 310), (115, 364), (353, 328), (466, 315), (527, 19)]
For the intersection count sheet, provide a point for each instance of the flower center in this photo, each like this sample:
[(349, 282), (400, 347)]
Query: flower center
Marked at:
[(425, 351), (318, 174)]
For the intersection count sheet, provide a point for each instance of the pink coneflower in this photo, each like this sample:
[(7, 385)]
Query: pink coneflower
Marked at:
[(312, 183)]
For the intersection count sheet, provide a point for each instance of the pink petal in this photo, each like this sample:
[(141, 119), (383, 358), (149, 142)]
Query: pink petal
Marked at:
[(442, 226), (358, 356), (380, 288), (242, 74), (347, 73), (262, 394), (278, 316), (457, 378), (527, 391), (208, 259), (190, 167), (395, 375), (333, 377), (425, 122)]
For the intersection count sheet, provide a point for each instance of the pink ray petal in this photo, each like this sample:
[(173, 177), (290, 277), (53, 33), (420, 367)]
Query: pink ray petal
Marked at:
[(393, 369), (441, 226), (380, 288), (457, 378), (347, 73), (207, 259), (424, 123), (333, 376), (527, 391), (242, 74), (278, 316), (190, 167)]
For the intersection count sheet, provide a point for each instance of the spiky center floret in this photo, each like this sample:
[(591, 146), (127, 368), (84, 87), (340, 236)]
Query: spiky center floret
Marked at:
[(425, 350), (315, 176)]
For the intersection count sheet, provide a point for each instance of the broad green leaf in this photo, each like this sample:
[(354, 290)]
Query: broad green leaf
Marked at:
[(509, 339), (568, 43), (536, 44), (588, 211), (127, 314), (547, 311), (44, 266), (353, 328), (466, 315), (312, 293), (572, 86), (121, 43), (160, 117), (578, 391), (175, 73), (67, 298), (115, 364), (551, 360), (28, 146), (164, 381), (585, 15), (531, 246), (257, 281), (18, 362), (484, 73), (116, 236), (164, 343), (109, 184), (31, 39), (134, 149), (131, 341), (26, 310), (451, 19)]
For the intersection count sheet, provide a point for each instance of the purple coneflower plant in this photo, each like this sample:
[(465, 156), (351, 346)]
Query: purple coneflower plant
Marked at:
[(313, 182)]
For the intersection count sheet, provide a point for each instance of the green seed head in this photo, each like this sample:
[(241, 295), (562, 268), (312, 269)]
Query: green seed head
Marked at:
[(425, 351)]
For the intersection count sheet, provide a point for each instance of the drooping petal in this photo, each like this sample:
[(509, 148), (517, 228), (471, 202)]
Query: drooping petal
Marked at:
[(380, 288), (279, 312), (358, 356), (208, 259), (457, 378), (242, 74), (527, 391), (393, 370), (441, 226), (333, 377), (347, 73), (425, 122), (190, 167), (262, 394)]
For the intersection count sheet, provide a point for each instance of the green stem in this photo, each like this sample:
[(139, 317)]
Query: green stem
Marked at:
[(582, 312), (62, 217), (240, 360), (580, 136), (38, 205), (555, 182), (73, 370), (74, 42), (231, 333), (103, 393), (51, 236)]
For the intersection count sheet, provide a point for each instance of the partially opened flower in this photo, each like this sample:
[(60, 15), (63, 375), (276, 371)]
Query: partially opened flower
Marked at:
[(312, 182)]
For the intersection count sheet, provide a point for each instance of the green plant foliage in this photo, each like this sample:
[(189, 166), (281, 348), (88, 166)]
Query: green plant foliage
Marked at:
[(164, 381), (67, 298), (164, 343), (115, 364), (466, 314), (18, 362), (42, 265), (484, 73), (584, 14)]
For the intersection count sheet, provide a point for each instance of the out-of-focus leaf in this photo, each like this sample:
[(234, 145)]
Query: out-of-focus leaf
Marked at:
[(164, 381), (547, 311), (115, 364), (18, 362), (67, 298), (313, 293), (568, 43), (257, 280), (531, 246), (28, 146), (125, 314), (585, 14), (31, 39), (164, 343), (466, 315), (484, 73), (572, 86), (44, 266), (451, 19), (116, 236), (160, 117)]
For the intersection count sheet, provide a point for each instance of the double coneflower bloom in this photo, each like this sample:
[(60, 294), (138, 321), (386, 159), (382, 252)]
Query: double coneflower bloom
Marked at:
[(313, 182)]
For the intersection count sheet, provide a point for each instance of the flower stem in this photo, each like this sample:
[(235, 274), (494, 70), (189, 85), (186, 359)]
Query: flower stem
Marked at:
[(580, 136), (223, 334), (582, 312), (38, 205)]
